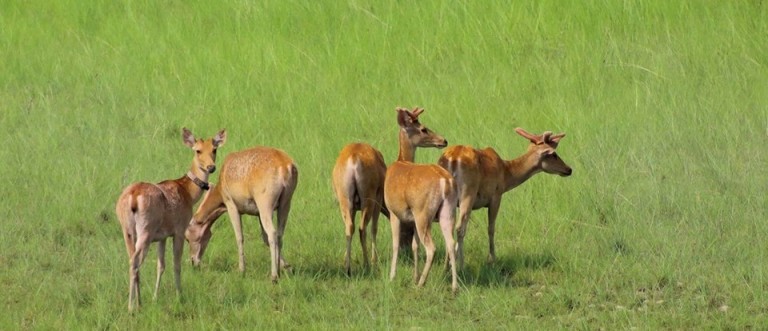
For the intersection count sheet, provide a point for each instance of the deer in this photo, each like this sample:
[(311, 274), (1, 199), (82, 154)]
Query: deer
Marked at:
[(153, 212), (418, 194), (358, 181), (482, 177), (258, 181)]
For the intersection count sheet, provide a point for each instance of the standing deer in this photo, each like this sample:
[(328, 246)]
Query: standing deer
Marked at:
[(482, 177), (419, 193), (154, 212), (358, 181), (256, 181)]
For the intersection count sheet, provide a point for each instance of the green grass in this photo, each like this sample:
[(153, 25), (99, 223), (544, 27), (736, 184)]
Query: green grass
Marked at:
[(661, 226)]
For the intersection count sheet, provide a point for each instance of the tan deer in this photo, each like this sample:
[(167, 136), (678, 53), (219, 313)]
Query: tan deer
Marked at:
[(358, 181), (482, 177), (419, 193), (154, 212), (258, 181)]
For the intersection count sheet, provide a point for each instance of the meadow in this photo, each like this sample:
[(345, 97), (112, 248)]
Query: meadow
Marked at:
[(664, 103)]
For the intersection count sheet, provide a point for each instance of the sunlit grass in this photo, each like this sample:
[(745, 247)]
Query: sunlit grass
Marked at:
[(663, 103)]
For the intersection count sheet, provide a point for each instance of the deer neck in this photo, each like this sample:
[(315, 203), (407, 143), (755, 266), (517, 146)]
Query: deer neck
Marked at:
[(407, 150), (520, 169), (195, 182)]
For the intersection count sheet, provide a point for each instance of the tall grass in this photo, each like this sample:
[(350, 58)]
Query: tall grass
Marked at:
[(664, 104)]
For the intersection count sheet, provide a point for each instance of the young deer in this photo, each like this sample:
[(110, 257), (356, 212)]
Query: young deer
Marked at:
[(256, 181), (154, 212), (358, 181), (482, 177), (419, 193)]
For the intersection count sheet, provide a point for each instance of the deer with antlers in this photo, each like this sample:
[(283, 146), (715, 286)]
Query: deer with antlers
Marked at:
[(482, 177), (358, 181), (258, 181), (419, 193), (153, 212)]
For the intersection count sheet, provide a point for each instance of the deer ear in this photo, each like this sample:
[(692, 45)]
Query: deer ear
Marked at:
[(220, 138), (417, 111), (188, 138), (527, 135), (404, 117), (556, 138)]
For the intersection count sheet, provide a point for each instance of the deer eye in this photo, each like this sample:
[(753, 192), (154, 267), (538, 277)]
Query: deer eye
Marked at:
[(198, 151)]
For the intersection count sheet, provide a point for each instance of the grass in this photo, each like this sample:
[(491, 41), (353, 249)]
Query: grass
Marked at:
[(660, 227)]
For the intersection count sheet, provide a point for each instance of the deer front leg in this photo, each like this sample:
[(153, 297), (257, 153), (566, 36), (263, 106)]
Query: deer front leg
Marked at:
[(493, 211), (178, 250)]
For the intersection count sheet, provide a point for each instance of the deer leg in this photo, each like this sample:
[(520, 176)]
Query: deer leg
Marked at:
[(395, 225), (493, 211), (422, 228), (465, 208), (374, 231), (365, 219), (415, 253), (282, 221), (348, 215), (160, 265), (265, 217), (447, 215), (178, 251), (134, 292), (237, 226)]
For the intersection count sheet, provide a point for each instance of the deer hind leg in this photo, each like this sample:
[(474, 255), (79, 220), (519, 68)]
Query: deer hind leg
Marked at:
[(348, 215), (465, 209), (265, 217), (447, 216), (395, 225), (423, 223), (160, 265), (374, 230), (134, 292), (283, 209), (365, 219), (237, 226), (415, 253)]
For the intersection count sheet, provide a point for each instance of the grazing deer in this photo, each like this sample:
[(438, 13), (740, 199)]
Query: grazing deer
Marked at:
[(482, 177), (419, 193), (154, 212), (256, 181), (358, 181)]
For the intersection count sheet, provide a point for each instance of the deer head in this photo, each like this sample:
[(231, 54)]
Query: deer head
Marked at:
[(543, 146), (205, 150), (418, 134)]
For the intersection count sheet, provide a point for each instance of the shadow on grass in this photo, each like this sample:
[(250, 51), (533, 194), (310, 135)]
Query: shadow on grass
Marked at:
[(505, 271)]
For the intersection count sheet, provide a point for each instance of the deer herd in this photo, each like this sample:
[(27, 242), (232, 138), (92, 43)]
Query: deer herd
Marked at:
[(261, 181)]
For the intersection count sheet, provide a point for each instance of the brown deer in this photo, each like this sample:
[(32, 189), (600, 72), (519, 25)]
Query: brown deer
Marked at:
[(358, 181), (419, 193), (256, 181), (154, 212), (482, 177)]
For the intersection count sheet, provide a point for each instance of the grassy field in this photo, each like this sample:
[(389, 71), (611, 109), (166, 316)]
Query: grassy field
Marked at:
[(662, 225)]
